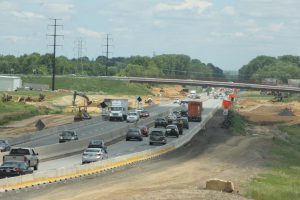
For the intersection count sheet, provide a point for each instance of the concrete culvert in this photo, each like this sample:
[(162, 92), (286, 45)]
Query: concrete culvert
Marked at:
[(220, 185)]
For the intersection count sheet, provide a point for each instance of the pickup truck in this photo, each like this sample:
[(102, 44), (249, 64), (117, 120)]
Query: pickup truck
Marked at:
[(23, 154)]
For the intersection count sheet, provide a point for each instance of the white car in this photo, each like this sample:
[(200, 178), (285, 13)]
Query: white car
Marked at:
[(139, 110), (93, 155), (133, 117)]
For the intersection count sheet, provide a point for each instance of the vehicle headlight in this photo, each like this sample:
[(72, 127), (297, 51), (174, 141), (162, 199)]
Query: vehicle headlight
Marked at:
[(72, 138), (168, 129), (61, 137)]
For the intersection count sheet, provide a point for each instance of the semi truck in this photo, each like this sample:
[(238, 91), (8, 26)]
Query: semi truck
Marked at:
[(195, 111), (118, 109)]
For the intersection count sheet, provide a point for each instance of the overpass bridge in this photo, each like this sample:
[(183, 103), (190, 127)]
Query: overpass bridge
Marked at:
[(279, 88)]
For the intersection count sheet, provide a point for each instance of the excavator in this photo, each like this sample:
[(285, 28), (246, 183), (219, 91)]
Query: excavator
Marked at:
[(81, 113)]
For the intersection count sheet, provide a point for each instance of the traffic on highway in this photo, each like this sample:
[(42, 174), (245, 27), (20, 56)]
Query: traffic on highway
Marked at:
[(136, 136)]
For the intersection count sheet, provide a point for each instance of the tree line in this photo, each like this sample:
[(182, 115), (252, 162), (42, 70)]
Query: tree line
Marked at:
[(262, 67), (166, 65)]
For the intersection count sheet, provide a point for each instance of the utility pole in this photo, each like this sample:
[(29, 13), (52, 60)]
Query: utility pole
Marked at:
[(54, 35), (107, 45)]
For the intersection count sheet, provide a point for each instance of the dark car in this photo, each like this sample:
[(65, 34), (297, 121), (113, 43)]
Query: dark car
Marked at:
[(14, 168), (179, 123), (144, 114), (99, 144), (160, 122), (185, 122), (134, 134), (4, 146), (157, 136), (67, 136), (144, 130), (177, 113), (184, 113), (172, 130)]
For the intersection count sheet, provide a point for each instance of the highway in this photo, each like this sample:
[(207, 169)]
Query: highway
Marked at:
[(124, 147), (92, 129)]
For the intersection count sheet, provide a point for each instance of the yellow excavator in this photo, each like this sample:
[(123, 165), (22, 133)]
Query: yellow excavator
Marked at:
[(81, 113)]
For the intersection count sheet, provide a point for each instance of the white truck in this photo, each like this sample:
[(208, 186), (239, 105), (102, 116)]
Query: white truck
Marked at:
[(23, 154), (118, 109)]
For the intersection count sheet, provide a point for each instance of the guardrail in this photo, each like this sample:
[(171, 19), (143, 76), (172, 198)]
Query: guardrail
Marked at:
[(63, 174)]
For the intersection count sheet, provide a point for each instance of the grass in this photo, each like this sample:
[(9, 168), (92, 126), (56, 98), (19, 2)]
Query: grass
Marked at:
[(93, 84), (18, 111), (283, 182), (238, 123)]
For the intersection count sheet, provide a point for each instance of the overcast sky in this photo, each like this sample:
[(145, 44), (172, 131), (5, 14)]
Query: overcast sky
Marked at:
[(227, 33)]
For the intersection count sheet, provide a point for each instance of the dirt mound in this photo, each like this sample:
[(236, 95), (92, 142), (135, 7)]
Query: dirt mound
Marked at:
[(286, 112)]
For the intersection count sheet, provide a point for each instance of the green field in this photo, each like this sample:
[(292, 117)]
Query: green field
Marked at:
[(18, 111), (92, 84), (283, 182)]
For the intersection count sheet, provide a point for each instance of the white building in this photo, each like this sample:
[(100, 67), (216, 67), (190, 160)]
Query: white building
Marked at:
[(10, 83)]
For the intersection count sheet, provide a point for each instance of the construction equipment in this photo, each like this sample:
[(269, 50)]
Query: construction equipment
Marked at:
[(81, 113), (6, 98)]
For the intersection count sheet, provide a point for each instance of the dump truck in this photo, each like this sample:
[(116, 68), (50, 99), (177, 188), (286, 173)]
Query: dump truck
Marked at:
[(118, 109), (195, 111)]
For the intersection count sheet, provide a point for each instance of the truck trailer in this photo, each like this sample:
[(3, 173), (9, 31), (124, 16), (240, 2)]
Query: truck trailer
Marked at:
[(195, 111)]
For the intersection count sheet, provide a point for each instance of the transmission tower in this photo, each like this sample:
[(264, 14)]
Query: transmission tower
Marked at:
[(79, 47), (54, 45), (108, 39)]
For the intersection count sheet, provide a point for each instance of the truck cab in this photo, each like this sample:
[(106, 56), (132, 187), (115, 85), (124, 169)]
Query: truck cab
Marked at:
[(118, 109)]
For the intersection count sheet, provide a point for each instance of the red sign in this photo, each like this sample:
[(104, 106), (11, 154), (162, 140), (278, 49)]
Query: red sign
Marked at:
[(226, 104)]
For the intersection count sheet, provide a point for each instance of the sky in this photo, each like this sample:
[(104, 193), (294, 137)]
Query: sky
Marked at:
[(227, 33)]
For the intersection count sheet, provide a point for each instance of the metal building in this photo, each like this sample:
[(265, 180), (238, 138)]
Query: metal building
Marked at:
[(10, 83)]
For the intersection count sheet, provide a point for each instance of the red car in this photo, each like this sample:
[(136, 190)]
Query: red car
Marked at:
[(144, 114), (144, 130)]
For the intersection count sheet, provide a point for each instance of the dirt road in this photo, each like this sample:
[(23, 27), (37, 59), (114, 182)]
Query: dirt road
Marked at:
[(178, 175)]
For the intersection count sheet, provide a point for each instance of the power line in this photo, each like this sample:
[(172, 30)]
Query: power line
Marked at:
[(54, 35), (107, 52)]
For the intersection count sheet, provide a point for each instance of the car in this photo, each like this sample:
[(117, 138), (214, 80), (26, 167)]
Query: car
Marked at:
[(132, 117), (4, 146), (172, 130), (134, 134), (99, 144), (160, 122), (139, 110), (185, 122), (176, 101), (144, 114), (144, 130), (171, 117), (157, 136), (177, 113), (93, 155), (179, 123), (14, 168), (67, 136)]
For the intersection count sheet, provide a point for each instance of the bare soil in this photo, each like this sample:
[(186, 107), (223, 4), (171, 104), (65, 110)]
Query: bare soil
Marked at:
[(265, 111), (180, 174)]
